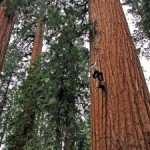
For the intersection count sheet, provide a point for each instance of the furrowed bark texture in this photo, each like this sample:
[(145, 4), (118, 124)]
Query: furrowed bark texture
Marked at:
[(120, 116), (37, 45), (6, 27)]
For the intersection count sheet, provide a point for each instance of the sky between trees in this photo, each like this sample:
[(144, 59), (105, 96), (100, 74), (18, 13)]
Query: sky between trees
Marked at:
[(144, 62)]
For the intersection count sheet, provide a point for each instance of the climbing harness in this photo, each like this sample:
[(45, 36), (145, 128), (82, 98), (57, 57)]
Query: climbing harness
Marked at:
[(99, 75)]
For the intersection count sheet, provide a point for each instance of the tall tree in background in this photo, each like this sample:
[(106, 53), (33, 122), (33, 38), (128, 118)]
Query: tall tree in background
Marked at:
[(27, 117), (38, 41), (16, 62), (7, 22), (9, 13), (120, 114)]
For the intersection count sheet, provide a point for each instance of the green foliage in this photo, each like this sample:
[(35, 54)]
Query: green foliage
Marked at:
[(50, 108), (145, 20), (140, 9), (13, 5), (54, 95)]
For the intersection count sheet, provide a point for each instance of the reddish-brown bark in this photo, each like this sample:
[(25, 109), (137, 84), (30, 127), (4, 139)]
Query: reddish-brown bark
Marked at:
[(38, 41), (28, 116), (120, 116), (6, 26)]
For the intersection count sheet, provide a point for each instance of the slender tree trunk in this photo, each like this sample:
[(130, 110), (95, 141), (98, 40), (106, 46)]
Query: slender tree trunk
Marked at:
[(28, 113), (120, 115), (38, 41), (6, 26)]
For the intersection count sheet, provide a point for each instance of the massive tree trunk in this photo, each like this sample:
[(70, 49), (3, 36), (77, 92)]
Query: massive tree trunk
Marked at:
[(6, 26), (120, 115)]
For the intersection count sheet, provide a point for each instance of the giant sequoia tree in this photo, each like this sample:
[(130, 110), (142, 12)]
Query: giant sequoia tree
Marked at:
[(121, 113)]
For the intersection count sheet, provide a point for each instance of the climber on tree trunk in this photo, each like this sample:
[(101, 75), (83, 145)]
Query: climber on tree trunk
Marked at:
[(99, 75)]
